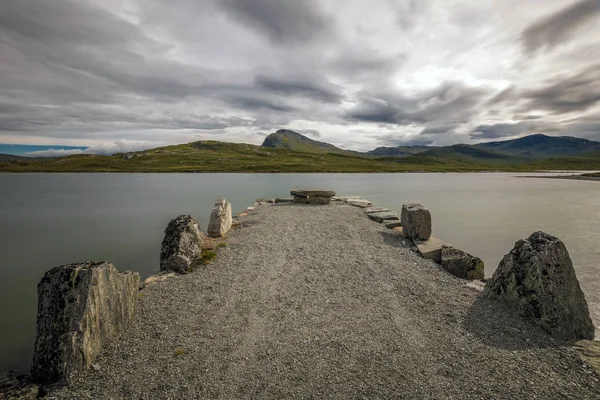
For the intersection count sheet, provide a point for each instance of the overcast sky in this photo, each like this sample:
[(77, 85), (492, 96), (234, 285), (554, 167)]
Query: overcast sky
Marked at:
[(132, 74)]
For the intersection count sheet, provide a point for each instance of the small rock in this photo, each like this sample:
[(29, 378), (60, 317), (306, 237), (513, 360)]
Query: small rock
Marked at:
[(160, 277), (265, 200), (280, 200), (461, 264), (95, 367), (416, 221)]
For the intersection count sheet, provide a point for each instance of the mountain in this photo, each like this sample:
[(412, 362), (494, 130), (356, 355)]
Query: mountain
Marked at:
[(398, 151), (289, 151), (288, 139), (470, 153), (542, 146)]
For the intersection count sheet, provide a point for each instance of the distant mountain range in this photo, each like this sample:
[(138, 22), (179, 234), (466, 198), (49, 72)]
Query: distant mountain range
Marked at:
[(528, 148), (289, 151)]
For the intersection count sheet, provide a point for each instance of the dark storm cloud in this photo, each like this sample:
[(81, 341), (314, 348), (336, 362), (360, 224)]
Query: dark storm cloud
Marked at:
[(559, 27), (575, 93), (366, 62), (394, 140), (284, 22), (255, 103), (439, 129), (450, 101), (562, 94), (307, 86), (496, 131)]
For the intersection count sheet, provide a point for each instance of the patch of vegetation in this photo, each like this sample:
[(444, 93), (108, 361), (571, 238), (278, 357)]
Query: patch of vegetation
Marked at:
[(221, 245), (208, 256), (179, 352)]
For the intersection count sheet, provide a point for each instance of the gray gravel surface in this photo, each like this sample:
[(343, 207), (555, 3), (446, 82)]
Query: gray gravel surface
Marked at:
[(319, 302)]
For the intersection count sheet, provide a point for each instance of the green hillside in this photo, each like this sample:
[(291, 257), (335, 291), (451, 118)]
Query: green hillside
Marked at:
[(307, 155), (287, 139), (211, 156), (543, 147)]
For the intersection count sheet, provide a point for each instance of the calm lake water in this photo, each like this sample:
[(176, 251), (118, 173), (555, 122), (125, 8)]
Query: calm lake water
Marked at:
[(52, 219)]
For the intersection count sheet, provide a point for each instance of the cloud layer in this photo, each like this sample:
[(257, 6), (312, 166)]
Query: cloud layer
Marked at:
[(104, 73)]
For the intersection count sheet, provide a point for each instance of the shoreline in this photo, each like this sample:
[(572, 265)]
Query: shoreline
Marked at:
[(324, 300)]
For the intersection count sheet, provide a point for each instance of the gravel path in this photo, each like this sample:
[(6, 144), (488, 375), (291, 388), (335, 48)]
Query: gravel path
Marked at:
[(319, 302)]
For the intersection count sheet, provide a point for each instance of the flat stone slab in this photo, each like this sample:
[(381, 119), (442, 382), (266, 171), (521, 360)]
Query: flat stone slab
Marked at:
[(312, 192), (371, 210), (383, 216), (431, 249), (280, 200), (359, 203), (392, 223)]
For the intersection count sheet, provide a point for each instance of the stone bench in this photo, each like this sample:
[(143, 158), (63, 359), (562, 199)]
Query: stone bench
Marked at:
[(312, 196)]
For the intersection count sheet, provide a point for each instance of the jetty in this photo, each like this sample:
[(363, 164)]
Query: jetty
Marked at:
[(301, 298)]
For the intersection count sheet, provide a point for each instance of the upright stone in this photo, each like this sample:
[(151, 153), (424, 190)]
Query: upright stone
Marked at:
[(81, 307), (182, 244), (461, 264), (416, 221), (220, 219), (538, 280)]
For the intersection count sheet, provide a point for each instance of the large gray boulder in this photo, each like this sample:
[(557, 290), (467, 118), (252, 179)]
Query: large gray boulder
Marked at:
[(537, 279), (461, 264), (81, 307), (416, 221), (220, 219), (181, 245)]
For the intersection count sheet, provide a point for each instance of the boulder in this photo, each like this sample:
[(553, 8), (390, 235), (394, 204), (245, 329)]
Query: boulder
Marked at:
[(280, 200), (81, 307), (430, 249), (182, 244), (300, 200), (14, 385), (416, 221), (319, 200), (383, 216), (371, 210), (461, 264), (220, 219), (538, 280), (312, 192)]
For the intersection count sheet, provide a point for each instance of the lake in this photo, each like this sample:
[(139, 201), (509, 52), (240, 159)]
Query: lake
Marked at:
[(52, 219)]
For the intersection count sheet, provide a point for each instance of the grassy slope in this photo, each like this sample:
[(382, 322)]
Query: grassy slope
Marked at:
[(290, 140), (538, 147), (473, 154), (590, 161), (233, 157)]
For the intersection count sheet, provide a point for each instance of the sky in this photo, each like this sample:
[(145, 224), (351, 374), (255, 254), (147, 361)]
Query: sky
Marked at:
[(126, 75)]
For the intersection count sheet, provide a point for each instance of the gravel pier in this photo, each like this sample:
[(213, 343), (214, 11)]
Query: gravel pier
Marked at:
[(320, 302)]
